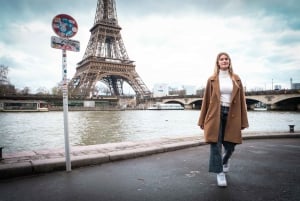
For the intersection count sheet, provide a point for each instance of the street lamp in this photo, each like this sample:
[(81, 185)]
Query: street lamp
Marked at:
[(272, 84)]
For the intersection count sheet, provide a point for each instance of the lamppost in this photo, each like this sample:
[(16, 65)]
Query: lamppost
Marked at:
[(272, 84)]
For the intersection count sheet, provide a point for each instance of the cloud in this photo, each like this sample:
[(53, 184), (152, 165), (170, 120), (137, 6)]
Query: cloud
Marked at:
[(171, 41)]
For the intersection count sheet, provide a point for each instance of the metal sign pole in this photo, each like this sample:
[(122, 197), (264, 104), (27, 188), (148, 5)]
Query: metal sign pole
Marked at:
[(66, 27), (65, 106)]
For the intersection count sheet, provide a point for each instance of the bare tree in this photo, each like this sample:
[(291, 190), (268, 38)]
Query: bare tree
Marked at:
[(42, 91), (25, 91), (57, 90), (3, 75), (5, 87)]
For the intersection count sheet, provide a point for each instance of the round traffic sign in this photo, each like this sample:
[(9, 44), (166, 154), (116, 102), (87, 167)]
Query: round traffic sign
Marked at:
[(64, 26)]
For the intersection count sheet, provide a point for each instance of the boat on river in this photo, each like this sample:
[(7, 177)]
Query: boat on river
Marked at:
[(23, 106), (260, 107), (166, 106)]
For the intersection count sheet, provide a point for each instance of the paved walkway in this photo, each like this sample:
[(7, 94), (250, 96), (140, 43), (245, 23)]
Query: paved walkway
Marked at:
[(260, 170), (42, 161)]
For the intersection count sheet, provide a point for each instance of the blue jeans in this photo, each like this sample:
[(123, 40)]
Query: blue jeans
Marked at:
[(216, 159)]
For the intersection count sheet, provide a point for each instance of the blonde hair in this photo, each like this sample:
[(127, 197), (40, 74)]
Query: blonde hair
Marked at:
[(230, 69)]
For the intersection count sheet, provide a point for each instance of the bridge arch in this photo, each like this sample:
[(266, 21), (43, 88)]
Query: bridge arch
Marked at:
[(289, 100), (174, 101), (271, 98)]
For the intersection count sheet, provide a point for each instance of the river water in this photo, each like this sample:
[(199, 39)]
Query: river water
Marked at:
[(45, 130)]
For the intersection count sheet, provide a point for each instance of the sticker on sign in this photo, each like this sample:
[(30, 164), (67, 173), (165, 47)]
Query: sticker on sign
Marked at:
[(64, 26), (65, 44)]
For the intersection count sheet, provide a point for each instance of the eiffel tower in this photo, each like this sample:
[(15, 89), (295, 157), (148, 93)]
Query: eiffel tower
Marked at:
[(105, 58)]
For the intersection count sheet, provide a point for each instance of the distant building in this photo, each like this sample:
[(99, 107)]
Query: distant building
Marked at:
[(294, 85), (189, 90), (160, 90)]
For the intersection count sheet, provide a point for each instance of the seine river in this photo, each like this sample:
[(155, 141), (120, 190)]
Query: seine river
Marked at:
[(45, 130)]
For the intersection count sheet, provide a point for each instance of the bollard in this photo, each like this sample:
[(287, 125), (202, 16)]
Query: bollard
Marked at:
[(291, 128), (1, 153)]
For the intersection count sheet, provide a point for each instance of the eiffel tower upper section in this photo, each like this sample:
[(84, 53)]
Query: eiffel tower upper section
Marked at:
[(105, 58), (106, 22)]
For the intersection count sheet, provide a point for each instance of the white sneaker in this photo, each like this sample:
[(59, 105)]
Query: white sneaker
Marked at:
[(226, 167), (221, 178)]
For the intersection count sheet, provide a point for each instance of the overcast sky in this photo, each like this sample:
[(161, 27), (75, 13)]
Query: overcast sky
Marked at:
[(172, 41)]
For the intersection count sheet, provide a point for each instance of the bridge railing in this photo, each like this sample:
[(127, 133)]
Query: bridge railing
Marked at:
[(248, 93), (272, 92)]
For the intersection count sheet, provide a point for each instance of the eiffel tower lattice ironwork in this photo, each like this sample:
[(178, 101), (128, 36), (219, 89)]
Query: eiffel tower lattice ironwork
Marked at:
[(105, 58)]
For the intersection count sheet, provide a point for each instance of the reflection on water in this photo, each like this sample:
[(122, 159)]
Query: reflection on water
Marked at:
[(96, 127), (33, 131)]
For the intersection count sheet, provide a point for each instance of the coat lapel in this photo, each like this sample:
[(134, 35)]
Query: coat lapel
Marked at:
[(216, 86), (235, 88)]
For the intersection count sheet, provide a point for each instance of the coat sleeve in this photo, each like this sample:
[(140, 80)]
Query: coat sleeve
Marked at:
[(244, 117), (205, 103)]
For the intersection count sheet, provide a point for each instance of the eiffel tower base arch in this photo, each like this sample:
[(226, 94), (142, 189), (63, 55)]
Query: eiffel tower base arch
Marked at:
[(113, 75)]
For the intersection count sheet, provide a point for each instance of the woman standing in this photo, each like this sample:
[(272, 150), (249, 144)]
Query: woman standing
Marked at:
[(223, 115)]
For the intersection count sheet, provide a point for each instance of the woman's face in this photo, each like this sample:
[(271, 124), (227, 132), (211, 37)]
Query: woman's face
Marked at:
[(223, 62)]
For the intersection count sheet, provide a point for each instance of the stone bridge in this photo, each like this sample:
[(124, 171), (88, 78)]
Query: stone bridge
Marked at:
[(281, 100)]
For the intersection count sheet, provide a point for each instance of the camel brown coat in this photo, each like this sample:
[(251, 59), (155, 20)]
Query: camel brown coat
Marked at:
[(211, 109)]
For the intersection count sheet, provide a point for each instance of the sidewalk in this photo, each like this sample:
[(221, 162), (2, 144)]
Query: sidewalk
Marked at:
[(260, 170), (43, 161)]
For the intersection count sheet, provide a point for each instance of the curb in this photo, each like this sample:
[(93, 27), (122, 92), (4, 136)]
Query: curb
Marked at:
[(272, 136), (55, 164)]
